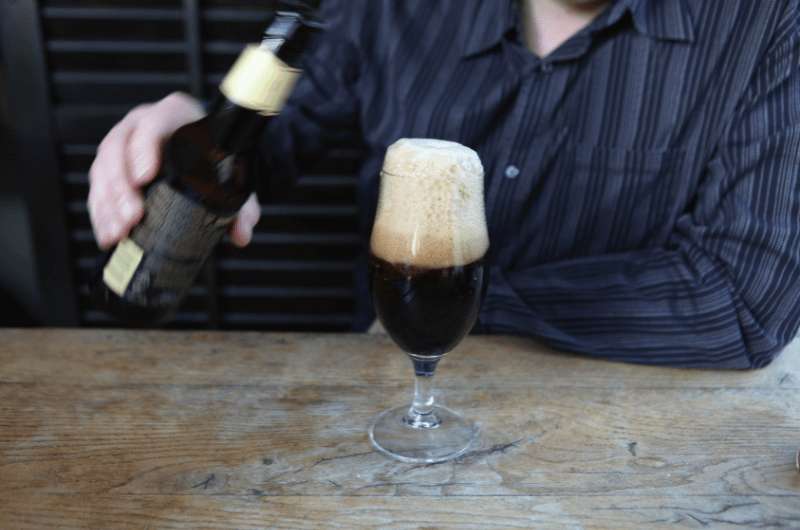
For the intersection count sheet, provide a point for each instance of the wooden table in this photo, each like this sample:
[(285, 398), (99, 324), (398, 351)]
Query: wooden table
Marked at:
[(115, 429)]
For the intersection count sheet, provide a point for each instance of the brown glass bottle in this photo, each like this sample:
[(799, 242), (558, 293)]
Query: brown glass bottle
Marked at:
[(205, 179)]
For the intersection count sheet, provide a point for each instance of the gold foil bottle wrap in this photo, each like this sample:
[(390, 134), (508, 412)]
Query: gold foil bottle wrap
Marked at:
[(260, 81), (119, 270)]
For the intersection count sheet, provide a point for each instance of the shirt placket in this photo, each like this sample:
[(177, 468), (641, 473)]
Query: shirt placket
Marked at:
[(506, 166), (514, 170)]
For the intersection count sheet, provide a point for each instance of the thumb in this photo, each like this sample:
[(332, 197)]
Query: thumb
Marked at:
[(242, 229)]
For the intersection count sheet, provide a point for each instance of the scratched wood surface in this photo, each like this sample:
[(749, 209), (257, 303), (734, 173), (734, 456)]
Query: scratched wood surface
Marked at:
[(114, 429)]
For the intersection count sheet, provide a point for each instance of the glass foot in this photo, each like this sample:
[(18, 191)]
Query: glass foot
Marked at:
[(444, 436)]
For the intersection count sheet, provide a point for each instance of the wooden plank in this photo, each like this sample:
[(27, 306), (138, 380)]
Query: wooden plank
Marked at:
[(131, 357), (310, 439), (251, 512), (131, 429)]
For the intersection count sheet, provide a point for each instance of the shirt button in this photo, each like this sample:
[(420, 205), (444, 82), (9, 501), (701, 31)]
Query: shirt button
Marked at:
[(546, 68), (512, 172)]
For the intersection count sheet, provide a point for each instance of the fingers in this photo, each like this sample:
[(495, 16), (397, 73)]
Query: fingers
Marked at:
[(144, 154), (242, 229), (115, 206), (113, 213), (152, 129), (129, 157)]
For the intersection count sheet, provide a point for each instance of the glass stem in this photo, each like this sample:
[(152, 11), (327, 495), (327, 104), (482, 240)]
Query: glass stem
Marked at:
[(421, 414)]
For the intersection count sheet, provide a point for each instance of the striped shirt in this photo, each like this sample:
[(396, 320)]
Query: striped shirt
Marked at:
[(642, 180)]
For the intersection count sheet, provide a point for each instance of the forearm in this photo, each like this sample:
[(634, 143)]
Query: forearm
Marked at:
[(653, 307)]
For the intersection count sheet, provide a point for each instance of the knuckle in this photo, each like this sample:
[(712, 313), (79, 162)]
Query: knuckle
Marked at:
[(136, 112), (112, 140), (145, 135), (173, 96), (94, 173), (91, 198), (102, 180), (96, 193), (92, 214), (182, 103), (109, 137), (176, 98), (99, 171)]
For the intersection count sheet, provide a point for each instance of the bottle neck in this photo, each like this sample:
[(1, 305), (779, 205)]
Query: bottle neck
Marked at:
[(289, 37), (234, 128), (259, 83)]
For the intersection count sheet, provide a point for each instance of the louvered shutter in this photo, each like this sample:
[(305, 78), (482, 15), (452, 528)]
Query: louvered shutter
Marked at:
[(103, 58)]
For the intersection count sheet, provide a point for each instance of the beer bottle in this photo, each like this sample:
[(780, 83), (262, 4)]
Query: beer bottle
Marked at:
[(206, 177)]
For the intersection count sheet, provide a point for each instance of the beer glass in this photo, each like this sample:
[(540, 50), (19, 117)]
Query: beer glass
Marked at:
[(427, 280)]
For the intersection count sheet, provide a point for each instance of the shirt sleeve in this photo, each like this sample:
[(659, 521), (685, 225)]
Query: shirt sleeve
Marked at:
[(322, 112), (725, 291)]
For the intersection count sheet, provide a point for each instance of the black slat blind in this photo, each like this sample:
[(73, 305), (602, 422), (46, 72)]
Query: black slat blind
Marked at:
[(104, 57)]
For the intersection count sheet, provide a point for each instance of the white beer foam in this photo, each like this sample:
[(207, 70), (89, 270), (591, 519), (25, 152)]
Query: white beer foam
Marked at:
[(430, 209)]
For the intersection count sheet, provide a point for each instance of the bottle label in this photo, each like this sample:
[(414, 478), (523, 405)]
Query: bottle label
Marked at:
[(120, 268), (160, 260), (259, 81)]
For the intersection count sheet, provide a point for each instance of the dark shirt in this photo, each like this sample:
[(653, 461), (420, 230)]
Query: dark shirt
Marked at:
[(642, 180)]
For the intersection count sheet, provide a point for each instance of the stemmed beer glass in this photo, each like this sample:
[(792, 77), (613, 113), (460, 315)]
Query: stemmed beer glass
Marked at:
[(427, 279)]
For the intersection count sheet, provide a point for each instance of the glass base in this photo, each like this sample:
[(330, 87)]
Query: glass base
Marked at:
[(443, 436)]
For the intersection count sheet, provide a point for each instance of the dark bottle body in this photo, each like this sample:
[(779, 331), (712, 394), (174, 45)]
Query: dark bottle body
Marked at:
[(206, 177)]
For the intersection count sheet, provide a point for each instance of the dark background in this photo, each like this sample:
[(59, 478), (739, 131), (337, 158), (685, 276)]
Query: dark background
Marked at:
[(69, 69)]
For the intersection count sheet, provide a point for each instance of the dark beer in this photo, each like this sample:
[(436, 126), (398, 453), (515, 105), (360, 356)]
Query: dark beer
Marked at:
[(427, 311), (205, 179)]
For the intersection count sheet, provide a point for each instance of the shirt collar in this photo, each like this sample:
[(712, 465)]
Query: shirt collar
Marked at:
[(661, 19), (491, 21), (658, 19)]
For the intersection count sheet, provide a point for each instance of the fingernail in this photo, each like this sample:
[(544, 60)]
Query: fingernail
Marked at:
[(141, 166)]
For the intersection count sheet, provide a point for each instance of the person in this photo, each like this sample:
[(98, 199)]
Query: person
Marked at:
[(642, 159)]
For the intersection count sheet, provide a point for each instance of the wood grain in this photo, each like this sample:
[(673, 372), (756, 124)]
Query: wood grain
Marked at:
[(254, 512), (102, 429)]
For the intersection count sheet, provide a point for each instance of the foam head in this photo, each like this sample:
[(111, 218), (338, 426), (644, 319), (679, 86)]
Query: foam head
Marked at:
[(430, 209)]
